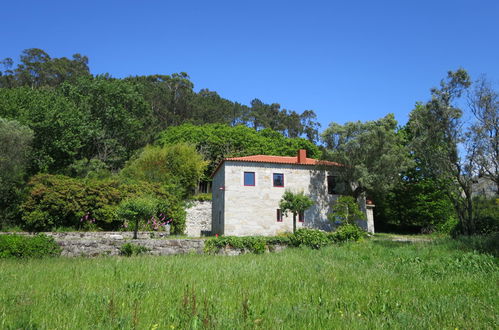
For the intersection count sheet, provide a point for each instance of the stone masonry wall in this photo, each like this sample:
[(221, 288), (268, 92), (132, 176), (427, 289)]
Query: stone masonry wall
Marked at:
[(198, 220), (93, 244), (90, 244)]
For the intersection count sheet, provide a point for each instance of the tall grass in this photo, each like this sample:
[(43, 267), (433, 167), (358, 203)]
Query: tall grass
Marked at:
[(372, 284)]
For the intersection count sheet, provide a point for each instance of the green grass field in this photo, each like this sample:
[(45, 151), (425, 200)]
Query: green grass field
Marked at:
[(371, 284)]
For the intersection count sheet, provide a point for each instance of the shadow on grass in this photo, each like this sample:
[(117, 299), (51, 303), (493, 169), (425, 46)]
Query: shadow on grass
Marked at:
[(481, 243)]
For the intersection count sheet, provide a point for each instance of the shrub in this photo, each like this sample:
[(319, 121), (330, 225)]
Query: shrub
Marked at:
[(130, 249), (346, 210), (312, 238), (19, 246), (56, 201), (254, 244), (345, 233), (486, 215), (203, 197)]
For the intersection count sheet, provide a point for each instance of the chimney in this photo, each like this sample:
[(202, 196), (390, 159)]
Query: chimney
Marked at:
[(302, 156)]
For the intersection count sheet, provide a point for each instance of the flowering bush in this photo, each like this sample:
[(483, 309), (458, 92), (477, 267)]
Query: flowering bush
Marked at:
[(57, 201)]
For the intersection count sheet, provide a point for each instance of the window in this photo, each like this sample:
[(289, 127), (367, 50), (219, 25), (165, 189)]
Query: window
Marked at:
[(301, 216), (249, 178), (279, 215), (332, 185), (278, 180)]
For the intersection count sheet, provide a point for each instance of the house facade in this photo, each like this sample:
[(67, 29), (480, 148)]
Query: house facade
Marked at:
[(247, 191)]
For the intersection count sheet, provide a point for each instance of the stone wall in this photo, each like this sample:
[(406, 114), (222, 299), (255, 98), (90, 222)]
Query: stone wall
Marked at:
[(198, 220), (90, 244)]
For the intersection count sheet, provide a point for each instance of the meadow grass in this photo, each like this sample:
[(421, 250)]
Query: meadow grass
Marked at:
[(370, 284)]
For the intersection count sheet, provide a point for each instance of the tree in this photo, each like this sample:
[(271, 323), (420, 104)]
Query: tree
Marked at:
[(178, 164), (136, 210), (15, 148), (346, 210), (437, 132), (295, 203), (37, 69), (484, 133), (372, 154), (216, 141)]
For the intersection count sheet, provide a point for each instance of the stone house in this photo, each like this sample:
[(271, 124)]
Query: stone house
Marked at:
[(247, 191)]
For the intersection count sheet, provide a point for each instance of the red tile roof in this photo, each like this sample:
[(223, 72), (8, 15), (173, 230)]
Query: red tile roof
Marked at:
[(281, 160), (277, 160)]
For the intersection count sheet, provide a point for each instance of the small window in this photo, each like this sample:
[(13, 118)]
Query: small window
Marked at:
[(279, 215), (249, 178), (301, 217), (278, 180)]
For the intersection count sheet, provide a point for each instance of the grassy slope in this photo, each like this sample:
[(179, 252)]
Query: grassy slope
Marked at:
[(374, 284)]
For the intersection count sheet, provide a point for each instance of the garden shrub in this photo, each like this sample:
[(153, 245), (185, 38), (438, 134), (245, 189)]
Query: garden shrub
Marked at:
[(312, 238), (345, 233), (20, 246), (202, 197), (254, 244), (486, 213), (130, 249), (56, 201)]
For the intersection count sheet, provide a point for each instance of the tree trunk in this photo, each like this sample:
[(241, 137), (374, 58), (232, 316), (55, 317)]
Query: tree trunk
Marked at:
[(294, 223), (136, 228)]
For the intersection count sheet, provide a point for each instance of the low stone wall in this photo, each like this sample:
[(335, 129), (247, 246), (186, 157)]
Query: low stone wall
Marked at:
[(198, 219), (92, 244), (111, 247)]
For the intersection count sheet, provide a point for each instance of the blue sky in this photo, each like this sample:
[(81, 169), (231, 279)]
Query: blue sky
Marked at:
[(346, 60)]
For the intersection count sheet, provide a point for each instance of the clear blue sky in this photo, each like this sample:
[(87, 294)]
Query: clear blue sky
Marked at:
[(347, 60)]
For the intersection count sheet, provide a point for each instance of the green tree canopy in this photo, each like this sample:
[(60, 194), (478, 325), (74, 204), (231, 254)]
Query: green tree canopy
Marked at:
[(216, 141), (295, 203), (372, 152), (15, 148), (178, 164)]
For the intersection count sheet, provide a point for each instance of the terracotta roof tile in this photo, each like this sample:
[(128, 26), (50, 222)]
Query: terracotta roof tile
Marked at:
[(277, 160), (281, 160)]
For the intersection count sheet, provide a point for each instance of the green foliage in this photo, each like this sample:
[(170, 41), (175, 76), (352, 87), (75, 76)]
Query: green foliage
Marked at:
[(346, 210), (486, 215), (488, 243), (15, 146), (36, 69), (373, 153), (203, 197), (216, 141), (139, 211), (130, 249), (20, 246), (312, 238), (294, 203), (419, 202), (254, 244), (347, 232), (177, 164), (59, 201)]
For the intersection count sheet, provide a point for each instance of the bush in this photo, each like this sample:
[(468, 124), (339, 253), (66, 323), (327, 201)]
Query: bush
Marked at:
[(56, 201), (309, 237), (19, 246), (254, 244), (486, 213), (345, 233), (203, 197), (129, 249)]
